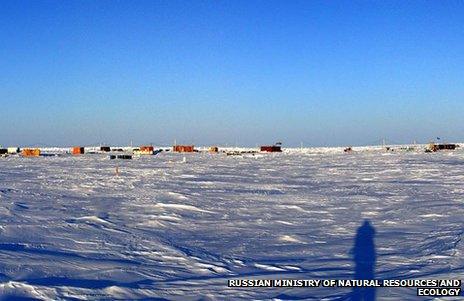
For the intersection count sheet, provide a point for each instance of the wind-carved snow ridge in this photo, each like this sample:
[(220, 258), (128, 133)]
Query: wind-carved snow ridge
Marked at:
[(71, 229)]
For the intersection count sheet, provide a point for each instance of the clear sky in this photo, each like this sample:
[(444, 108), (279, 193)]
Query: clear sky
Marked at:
[(231, 72)]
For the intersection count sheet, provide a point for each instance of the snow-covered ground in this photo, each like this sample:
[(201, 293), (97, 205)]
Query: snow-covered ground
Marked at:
[(71, 229)]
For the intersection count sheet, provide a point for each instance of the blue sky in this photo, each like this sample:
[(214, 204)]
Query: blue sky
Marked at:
[(231, 72)]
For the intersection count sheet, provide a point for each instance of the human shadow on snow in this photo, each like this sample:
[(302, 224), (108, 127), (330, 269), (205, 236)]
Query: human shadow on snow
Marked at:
[(364, 256)]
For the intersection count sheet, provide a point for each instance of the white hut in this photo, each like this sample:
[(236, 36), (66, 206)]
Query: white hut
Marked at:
[(13, 150)]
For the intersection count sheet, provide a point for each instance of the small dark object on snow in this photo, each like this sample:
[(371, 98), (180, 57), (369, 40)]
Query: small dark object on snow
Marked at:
[(123, 157), (348, 150)]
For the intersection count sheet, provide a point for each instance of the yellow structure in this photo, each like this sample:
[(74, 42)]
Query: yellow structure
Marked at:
[(213, 149), (30, 152)]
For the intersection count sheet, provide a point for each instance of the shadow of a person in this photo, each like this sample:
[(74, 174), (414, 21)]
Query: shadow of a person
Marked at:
[(364, 259)]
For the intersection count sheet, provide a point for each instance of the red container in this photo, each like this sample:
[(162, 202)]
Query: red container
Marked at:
[(271, 148)]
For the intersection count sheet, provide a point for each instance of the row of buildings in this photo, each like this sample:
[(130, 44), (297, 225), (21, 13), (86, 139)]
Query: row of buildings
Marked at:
[(142, 150)]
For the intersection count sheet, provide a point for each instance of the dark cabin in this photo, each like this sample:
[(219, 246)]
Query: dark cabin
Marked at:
[(271, 148), (444, 146), (447, 146)]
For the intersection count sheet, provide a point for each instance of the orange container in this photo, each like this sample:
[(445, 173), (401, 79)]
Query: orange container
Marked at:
[(77, 150), (30, 152), (183, 148), (144, 150), (147, 148)]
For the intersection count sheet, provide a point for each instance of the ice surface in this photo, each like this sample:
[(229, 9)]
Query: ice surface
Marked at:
[(71, 229)]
